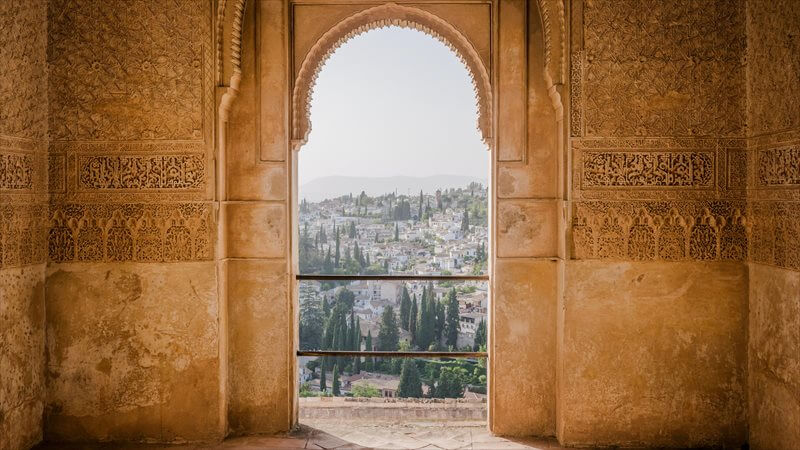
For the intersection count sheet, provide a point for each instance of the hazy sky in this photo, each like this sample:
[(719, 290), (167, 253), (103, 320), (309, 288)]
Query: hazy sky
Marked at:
[(393, 101)]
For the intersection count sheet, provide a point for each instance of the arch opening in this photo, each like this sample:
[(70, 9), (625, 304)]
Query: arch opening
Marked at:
[(394, 208), (383, 16)]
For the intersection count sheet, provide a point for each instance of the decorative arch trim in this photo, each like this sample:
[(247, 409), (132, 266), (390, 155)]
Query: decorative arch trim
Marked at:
[(551, 12), (389, 14)]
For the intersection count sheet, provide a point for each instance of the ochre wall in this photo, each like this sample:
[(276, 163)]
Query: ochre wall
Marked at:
[(133, 331), (665, 313), (773, 112), (652, 339), (23, 210)]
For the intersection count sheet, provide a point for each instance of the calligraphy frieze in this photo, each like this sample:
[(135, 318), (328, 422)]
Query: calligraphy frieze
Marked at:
[(779, 166), (141, 172), (16, 171), (666, 169)]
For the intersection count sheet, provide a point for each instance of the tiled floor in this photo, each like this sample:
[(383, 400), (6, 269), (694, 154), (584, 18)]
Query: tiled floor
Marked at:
[(339, 435)]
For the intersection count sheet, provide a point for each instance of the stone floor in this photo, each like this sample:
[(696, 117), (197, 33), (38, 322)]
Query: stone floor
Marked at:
[(340, 435)]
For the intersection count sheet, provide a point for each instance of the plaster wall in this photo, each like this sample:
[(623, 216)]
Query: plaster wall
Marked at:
[(133, 330), (773, 111), (677, 179), (23, 210), (652, 340), (660, 351)]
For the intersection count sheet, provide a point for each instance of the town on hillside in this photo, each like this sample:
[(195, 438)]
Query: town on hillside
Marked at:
[(439, 233)]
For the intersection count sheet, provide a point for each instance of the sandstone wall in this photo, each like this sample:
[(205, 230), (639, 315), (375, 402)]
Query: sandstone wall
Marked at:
[(773, 112), (652, 338), (133, 331), (23, 210)]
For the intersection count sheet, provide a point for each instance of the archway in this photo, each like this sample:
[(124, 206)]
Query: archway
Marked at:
[(526, 168), (394, 116)]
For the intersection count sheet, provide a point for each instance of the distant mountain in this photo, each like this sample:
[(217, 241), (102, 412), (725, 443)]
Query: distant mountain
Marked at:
[(336, 186)]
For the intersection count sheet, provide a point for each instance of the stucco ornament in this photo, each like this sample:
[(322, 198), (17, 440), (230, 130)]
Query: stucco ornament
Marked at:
[(389, 14)]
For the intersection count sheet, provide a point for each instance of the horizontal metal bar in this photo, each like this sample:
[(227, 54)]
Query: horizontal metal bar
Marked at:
[(347, 353), (311, 277)]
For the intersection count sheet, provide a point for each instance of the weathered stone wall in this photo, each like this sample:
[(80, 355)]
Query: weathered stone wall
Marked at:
[(133, 324), (773, 112), (652, 338), (23, 210)]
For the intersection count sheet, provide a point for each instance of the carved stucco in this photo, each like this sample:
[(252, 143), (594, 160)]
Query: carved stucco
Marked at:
[(380, 16), (128, 73), (773, 194), (131, 118), (23, 217), (773, 66), (673, 68), (229, 42), (23, 87), (657, 124)]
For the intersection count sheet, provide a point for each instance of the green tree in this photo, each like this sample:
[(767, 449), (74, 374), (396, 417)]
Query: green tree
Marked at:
[(426, 319), (389, 333), (440, 320), (419, 213), (338, 255), (327, 264), (337, 391), (365, 390), (396, 232), (369, 364), (351, 233), (312, 322), (451, 325), (451, 383), (405, 308), (465, 222), (323, 386), (480, 336), (410, 383), (412, 321)]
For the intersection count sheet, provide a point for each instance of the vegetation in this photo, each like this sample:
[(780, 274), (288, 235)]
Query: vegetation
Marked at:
[(410, 384), (365, 390)]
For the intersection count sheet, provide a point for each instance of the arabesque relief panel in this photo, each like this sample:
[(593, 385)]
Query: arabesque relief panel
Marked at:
[(131, 223), (636, 77), (23, 220)]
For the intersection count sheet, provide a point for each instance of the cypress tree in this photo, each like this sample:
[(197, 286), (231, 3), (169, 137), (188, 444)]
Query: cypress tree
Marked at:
[(430, 318), (420, 205), (357, 345), (405, 308), (465, 222), (452, 325), (336, 385), (425, 323), (337, 255), (480, 336), (440, 318), (389, 333), (412, 321), (410, 383), (323, 386), (327, 265), (369, 364), (396, 232)]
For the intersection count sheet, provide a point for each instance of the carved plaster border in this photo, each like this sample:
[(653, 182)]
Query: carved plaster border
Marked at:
[(389, 14)]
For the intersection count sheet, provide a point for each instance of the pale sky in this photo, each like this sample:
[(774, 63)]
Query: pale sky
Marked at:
[(393, 101)]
